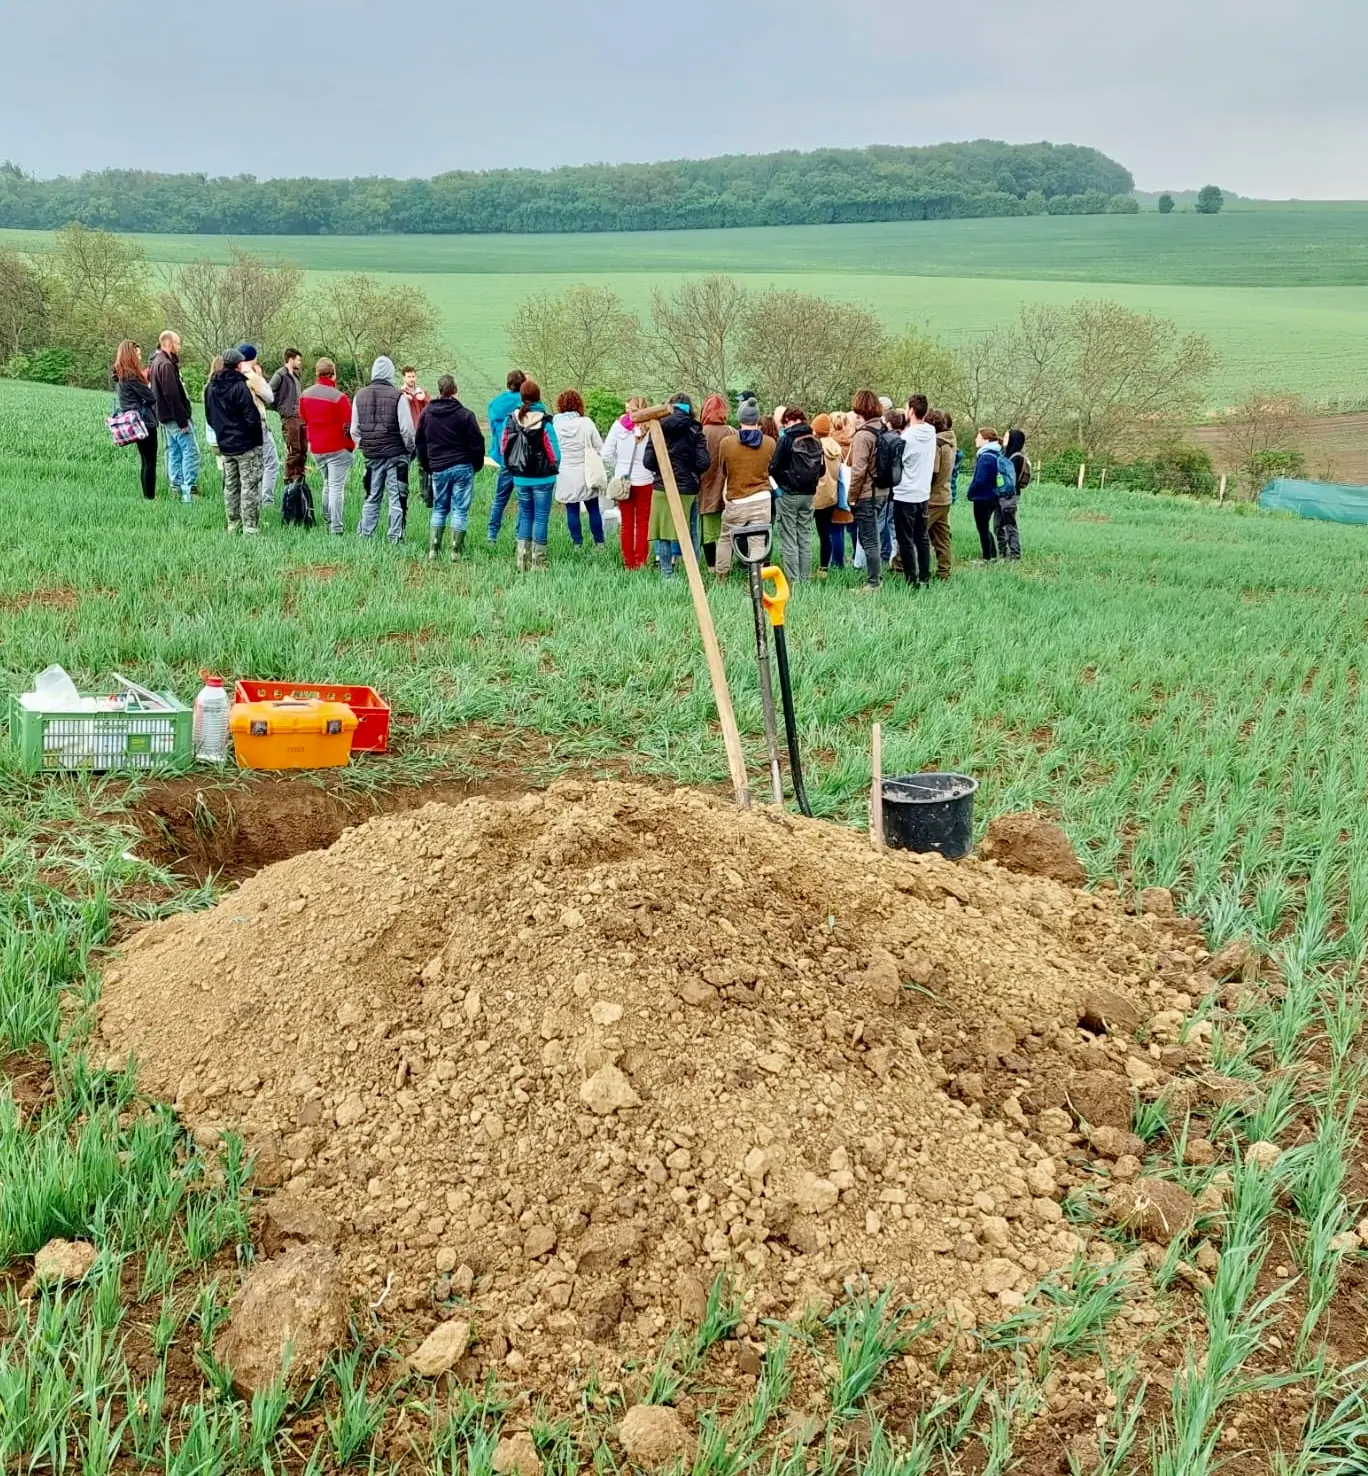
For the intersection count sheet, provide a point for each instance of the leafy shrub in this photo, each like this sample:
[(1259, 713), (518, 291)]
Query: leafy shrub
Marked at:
[(53, 366), (1062, 467), (603, 407), (1165, 204), (1280, 462)]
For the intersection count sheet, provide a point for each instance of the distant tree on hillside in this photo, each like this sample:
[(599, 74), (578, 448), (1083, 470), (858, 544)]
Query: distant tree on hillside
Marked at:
[(694, 335), (1165, 204), (1210, 200), (809, 351), (214, 305), (1263, 427), (578, 338)]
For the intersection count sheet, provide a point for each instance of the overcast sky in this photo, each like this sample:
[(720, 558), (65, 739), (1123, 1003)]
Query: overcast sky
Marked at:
[(1265, 97)]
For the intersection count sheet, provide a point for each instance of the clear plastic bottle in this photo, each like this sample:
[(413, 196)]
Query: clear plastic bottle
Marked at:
[(211, 722)]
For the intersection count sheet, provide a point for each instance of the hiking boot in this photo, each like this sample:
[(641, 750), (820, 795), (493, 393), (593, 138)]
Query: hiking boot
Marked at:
[(539, 559), (457, 543), (250, 532), (524, 555), (434, 544), (234, 526)]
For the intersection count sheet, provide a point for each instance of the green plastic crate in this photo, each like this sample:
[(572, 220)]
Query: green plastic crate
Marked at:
[(100, 741)]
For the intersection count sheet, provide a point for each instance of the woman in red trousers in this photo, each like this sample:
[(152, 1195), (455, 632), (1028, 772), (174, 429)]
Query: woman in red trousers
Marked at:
[(623, 449)]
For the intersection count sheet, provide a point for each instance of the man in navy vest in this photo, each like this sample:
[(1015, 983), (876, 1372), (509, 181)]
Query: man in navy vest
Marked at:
[(382, 426)]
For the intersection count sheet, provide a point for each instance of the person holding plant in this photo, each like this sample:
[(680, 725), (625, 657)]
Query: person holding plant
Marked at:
[(132, 392), (531, 454), (581, 474)]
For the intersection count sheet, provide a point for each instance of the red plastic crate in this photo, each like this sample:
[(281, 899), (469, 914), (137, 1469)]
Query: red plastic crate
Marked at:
[(371, 709)]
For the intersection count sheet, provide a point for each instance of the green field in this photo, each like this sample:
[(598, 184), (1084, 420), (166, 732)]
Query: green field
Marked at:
[(1181, 684), (1283, 293)]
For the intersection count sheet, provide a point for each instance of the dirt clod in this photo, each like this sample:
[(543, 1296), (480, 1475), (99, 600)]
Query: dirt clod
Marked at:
[(442, 1349), (1101, 1098), (1034, 846), (653, 1434), (1232, 961), (59, 1261), (294, 1306), (516, 1455), (1154, 1209)]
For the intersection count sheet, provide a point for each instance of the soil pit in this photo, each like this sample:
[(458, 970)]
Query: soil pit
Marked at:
[(566, 1056)]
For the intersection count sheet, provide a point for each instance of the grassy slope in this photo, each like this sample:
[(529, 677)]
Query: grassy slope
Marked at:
[(1281, 293), (1182, 684)]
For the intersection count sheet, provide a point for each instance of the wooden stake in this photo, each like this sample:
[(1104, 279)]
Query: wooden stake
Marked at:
[(1220, 496), (876, 827), (1082, 472), (1103, 484), (731, 736)]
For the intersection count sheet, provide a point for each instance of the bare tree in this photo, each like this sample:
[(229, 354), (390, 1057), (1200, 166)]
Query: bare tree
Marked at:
[(915, 363), (356, 318), (581, 338), (1093, 375), (1266, 424), (23, 306), (213, 305), (693, 343), (97, 287), (810, 351)]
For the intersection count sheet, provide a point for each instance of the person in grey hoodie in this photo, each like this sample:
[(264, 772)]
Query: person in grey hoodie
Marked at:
[(912, 495), (382, 427)]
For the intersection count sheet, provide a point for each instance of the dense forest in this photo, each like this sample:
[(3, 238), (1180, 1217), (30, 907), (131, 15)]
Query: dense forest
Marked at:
[(942, 181)]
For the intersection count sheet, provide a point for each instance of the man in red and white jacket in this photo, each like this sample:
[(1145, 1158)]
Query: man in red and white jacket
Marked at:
[(327, 413)]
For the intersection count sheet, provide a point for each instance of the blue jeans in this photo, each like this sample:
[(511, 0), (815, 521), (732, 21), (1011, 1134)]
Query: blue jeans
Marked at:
[(182, 458), (391, 472), (572, 517), (452, 491), (503, 490), (534, 511)]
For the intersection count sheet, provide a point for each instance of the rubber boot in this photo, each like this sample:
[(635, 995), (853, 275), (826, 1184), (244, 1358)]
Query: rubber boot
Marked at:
[(524, 556), (434, 544), (539, 560), (457, 542)]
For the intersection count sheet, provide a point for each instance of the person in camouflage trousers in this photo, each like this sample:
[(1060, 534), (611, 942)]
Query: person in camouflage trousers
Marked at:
[(232, 412)]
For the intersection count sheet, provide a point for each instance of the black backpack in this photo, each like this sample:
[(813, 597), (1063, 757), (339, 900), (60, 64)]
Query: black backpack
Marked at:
[(528, 452), (807, 465), (1024, 472), (296, 505), (888, 460)]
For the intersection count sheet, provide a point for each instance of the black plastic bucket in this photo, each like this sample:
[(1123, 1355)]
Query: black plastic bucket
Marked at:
[(930, 812)]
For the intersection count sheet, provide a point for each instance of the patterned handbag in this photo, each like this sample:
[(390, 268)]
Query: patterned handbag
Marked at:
[(126, 426)]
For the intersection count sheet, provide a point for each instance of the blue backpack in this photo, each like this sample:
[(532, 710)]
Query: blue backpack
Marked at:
[(1007, 485)]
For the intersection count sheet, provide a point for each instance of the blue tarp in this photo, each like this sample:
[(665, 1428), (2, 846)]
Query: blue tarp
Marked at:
[(1328, 501)]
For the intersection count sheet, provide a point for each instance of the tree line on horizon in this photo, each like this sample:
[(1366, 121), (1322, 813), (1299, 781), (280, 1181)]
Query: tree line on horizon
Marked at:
[(826, 186)]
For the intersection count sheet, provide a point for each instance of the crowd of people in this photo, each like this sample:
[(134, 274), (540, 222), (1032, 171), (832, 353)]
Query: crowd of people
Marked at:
[(880, 476)]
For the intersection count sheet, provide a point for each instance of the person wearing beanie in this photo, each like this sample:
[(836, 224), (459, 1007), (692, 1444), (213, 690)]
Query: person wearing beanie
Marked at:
[(265, 398), (830, 549), (797, 470), (235, 418), (715, 431), (687, 448), (1005, 518), (382, 426), (746, 461)]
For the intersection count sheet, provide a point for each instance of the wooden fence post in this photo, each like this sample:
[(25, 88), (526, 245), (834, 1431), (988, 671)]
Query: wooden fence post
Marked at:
[(1082, 472), (1220, 496)]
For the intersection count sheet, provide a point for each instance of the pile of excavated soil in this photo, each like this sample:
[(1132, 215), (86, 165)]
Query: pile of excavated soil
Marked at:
[(566, 1056)]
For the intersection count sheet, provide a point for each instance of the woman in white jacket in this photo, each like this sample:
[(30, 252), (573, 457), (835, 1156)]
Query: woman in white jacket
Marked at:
[(581, 476), (623, 454)]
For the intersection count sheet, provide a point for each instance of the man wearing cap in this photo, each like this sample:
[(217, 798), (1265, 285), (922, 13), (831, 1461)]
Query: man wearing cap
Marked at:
[(746, 461), (265, 398), (382, 426), (235, 419)]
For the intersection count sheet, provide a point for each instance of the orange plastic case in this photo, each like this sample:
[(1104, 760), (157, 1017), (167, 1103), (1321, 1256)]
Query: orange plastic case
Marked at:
[(292, 735)]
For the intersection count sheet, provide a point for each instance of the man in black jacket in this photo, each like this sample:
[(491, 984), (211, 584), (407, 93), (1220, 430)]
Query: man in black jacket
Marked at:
[(174, 417), (451, 449), (285, 388), (382, 426), (236, 422), (689, 459)]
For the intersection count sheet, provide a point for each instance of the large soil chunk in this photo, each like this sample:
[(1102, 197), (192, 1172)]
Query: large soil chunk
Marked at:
[(289, 1315), (1034, 846)]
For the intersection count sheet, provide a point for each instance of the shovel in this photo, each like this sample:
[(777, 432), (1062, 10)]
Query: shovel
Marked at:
[(751, 545), (774, 608)]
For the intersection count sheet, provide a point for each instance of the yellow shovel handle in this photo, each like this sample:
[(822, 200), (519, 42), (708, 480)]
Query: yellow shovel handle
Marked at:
[(774, 603)]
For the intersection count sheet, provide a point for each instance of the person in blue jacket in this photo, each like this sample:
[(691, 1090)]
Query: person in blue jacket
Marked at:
[(531, 455), (500, 408), (983, 490)]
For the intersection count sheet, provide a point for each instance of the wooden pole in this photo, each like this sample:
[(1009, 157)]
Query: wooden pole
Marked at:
[(1082, 472), (876, 827), (1220, 496), (731, 736), (1102, 486)]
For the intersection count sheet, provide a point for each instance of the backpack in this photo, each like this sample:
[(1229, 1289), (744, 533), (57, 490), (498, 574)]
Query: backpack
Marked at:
[(527, 453), (1007, 482), (807, 466), (296, 505), (1024, 476), (888, 460)]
